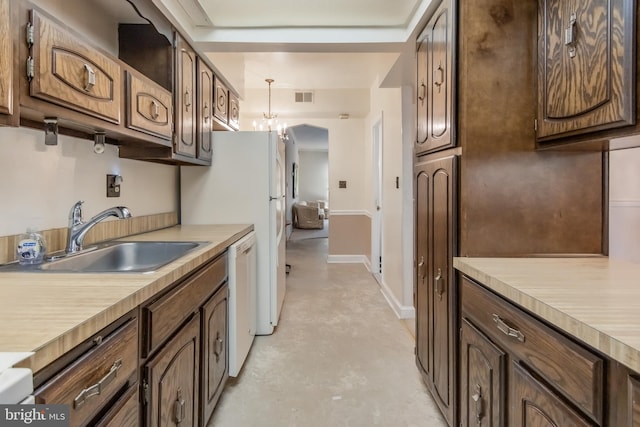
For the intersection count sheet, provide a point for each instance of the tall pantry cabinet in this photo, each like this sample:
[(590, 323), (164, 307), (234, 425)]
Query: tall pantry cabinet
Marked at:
[(482, 189)]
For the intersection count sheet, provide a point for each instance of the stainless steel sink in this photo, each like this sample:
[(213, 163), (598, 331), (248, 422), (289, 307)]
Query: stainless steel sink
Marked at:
[(113, 257)]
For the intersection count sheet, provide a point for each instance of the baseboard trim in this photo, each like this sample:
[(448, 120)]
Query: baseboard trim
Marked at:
[(347, 259), (401, 311)]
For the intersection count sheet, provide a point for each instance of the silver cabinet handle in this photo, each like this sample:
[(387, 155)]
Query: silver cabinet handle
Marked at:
[(178, 408), (187, 99), (219, 347), (423, 92), (420, 266), (90, 78), (479, 404), (155, 113), (439, 284), (205, 112), (97, 388), (570, 34), (440, 81), (508, 330)]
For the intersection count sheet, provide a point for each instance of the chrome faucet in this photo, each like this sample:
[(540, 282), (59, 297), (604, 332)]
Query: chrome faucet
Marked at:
[(78, 229)]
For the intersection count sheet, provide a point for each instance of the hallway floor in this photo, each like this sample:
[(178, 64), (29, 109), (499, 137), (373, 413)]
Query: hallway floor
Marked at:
[(339, 356)]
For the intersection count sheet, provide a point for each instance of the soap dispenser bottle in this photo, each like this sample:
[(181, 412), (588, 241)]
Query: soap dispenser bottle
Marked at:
[(31, 247)]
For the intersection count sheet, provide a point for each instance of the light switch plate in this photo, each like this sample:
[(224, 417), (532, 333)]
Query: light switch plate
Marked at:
[(113, 189)]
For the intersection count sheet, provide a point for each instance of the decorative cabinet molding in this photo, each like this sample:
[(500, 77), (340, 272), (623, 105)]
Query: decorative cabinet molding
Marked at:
[(185, 99), (71, 73), (586, 62), (234, 111), (435, 183), (205, 114), (434, 85), (148, 107), (222, 102)]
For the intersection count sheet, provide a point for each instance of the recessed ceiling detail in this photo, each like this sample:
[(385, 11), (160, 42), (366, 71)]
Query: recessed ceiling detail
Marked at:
[(309, 13)]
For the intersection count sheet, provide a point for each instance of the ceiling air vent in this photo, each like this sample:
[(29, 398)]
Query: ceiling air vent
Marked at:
[(304, 96)]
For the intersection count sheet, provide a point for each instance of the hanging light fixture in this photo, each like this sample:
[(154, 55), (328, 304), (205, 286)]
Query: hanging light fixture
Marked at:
[(270, 120)]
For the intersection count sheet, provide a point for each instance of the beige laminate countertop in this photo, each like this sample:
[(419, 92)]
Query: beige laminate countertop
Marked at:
[(595, 299), (50, 313)]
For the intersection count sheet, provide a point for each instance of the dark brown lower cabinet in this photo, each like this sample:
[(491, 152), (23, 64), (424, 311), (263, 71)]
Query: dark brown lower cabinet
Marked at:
[(533, 404), (173, 379), (214, 352), (435, 299), (482, 387)]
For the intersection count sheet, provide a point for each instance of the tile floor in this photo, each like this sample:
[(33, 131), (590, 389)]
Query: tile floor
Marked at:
[(339, 356)]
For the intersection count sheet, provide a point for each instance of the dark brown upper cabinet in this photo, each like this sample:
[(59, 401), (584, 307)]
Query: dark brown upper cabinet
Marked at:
[(434, 95), (185, 99), (586, 61), (205, 113), (8, 99)]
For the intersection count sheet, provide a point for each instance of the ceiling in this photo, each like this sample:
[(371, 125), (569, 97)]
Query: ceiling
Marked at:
[(301, 44)]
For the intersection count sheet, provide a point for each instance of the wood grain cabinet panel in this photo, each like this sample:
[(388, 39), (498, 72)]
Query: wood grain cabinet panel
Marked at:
[(185, 100), (535, 405), (148, 107), (125, 412), (585, 66), (435, 292), (71, 73), (215, 354), (89, 383), (434, 76), (6, 58), (205, 114), (165, 315), (575, 371), (234, 111), (482, 379), (172, 379), (221, 110), (633, 413)]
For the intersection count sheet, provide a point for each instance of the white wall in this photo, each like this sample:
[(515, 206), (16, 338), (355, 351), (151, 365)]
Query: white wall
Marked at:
[(314, 175), (387, 104), (39, 183), (624, 204)]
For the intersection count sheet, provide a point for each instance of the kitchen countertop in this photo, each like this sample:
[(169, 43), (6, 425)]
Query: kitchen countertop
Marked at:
[(50, 313), (595, 299)]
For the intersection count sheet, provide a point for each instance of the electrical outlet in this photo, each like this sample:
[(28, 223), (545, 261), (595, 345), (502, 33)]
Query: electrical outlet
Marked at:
[(113, 185), (342, 184)]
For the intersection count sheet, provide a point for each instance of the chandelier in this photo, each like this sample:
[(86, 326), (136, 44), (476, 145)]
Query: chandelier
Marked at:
[(270, 120)]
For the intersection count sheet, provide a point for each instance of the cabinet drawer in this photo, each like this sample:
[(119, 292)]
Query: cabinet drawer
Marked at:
[(164, 316), (571, 369), (148, 107), (125, 412), (71, 73), (95, 378)]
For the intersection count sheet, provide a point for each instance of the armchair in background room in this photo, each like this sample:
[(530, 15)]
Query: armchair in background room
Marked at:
[(306, 215)]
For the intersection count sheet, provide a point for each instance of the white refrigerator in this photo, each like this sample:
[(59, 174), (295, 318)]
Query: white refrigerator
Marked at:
[(245, 184)]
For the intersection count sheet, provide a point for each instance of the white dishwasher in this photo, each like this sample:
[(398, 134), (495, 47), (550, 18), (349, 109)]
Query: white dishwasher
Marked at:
[(242, 300)]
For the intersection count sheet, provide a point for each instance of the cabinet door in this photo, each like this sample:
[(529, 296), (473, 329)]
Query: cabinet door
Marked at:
[(221, 110), (71, 73), (482, 380), (205, 114), (234, 111), (148, 107), (185, 99), (215, 355), (172, 378), (435, 296), (532, 404), (585, 66), (6, 59), (434, 88), (634, 402)]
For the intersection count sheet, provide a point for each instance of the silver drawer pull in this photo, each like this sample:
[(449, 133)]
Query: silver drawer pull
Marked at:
[(155, 110), (508, 330), (90, 78), (97, 388)]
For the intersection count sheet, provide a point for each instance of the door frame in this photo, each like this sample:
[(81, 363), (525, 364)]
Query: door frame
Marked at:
[(377, 224)]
